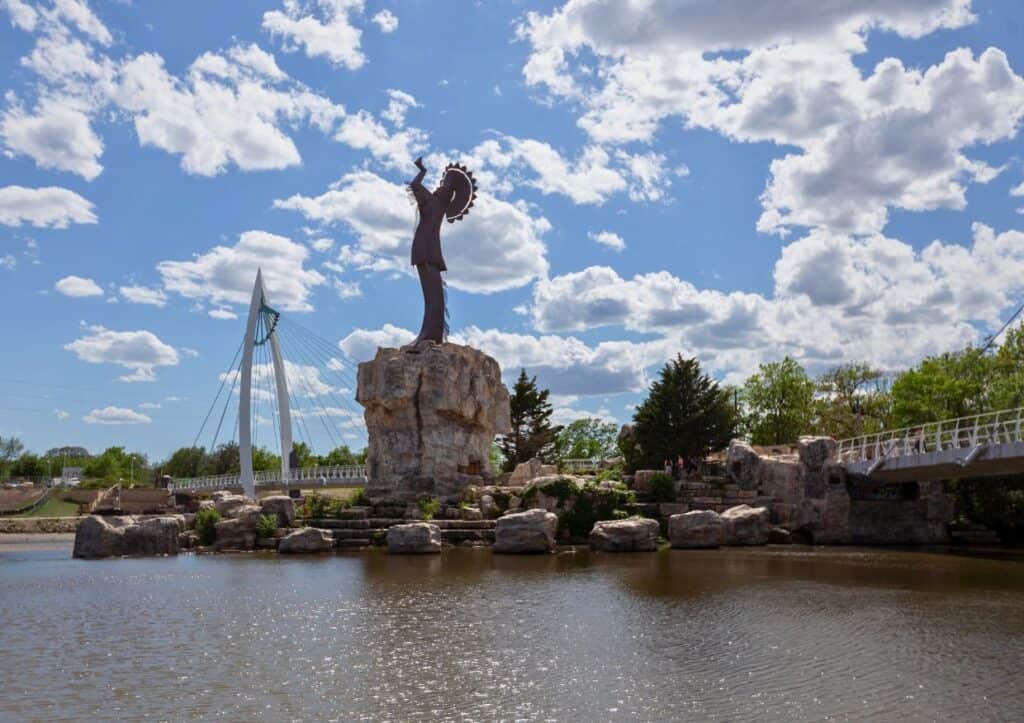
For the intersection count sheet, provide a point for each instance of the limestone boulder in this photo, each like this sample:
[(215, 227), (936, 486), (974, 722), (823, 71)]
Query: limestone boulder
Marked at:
[(642, 479), (742, 464), (99, 537), (306, 540), (488, 507), (416, 538), (816, 452), (746, 525), (282, 507), (430, 419), (525, 472), (636, 534), (228, 504), (471, 513), (696, 529), (236, 534), (526, 532)]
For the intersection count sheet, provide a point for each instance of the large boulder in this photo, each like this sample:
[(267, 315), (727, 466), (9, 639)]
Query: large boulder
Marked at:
[(742, 464), (696, 529), (636, 534), (816, 452), (155, 536), (745, 525), (99, 537), (431, 418), (281, 507), (414, 539), (236, 534), (525, 472), (308, 539), (642, 479), (228, 505), (530, 531)]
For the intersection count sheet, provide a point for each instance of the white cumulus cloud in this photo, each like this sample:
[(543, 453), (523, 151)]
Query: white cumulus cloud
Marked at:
[(141, 352), (77, 287), (115, 415), (48, 207)]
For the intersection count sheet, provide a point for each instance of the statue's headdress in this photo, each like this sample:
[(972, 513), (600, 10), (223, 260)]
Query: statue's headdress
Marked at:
[(460, 180)]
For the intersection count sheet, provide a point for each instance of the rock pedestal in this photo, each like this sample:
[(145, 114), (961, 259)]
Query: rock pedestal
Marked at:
[(430, 418), (635, 534)]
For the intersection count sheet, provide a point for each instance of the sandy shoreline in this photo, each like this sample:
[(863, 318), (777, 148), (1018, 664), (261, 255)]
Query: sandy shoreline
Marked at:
[(43, 541)]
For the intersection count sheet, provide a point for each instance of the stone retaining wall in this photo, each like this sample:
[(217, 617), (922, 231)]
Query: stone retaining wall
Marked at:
[(37, 525)]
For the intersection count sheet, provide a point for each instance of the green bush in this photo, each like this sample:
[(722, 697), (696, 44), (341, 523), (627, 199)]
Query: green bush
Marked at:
[(266, 526), (663, 489), (206, 521), (429, 507), (609, 473), (361, 500), (316, 506), (593, 504)]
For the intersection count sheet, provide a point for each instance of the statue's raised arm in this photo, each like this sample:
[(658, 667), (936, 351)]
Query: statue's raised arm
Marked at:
[(452, 200)]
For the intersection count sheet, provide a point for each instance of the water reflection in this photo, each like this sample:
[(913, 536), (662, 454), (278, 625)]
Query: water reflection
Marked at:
[(729, 634)]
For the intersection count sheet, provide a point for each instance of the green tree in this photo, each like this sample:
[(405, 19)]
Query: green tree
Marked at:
[(304, 455), (586, 438), (946, 386), (185, 462), (685, 413), (851, 400), (340, 457), (779, 401), (1007, 391), (28, 465), (117, 465), (10, 449), (532, 434)]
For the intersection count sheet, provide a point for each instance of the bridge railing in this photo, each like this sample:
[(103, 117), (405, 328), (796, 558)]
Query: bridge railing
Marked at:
[(580, 465), (962, 433), (353, 473)]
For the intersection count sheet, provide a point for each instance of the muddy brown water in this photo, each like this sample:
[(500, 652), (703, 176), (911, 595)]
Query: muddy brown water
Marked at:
[(767, 634)]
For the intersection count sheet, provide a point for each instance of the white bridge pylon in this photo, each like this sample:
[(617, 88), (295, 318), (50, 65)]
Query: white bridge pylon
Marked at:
[(259, 307)]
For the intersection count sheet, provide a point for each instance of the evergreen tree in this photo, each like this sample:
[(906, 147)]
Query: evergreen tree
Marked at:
[(532, 434), (686, 413)]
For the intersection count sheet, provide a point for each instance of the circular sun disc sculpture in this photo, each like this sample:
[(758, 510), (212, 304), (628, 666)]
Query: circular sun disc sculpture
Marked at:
[(461, 181)]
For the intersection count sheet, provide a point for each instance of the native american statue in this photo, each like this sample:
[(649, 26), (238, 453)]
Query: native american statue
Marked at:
[(452, 200)]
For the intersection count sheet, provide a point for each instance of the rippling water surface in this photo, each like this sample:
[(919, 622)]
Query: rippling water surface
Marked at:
[(784, 634)]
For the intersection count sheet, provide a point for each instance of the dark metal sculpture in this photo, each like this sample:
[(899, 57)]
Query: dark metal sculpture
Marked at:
[(451, 200)]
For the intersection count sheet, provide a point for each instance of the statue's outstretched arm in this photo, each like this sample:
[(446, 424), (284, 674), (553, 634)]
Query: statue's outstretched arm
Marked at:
[(421, 193)]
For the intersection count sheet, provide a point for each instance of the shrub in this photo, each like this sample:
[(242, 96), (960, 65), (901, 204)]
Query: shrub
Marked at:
[(206, 521), (316, 506), (663, 489), (266, 526), (609, 473), (593, 504), (562, 489), (429, 507), (361, 500)]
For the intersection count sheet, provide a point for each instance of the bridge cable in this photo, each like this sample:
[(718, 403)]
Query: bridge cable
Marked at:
[(991, 339), (223, 381)]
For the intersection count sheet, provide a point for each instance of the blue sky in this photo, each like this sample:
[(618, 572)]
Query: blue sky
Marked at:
[(657, 178)]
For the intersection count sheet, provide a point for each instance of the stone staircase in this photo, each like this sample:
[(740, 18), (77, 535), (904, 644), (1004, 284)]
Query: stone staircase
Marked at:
[(367, 526), (965, 532)]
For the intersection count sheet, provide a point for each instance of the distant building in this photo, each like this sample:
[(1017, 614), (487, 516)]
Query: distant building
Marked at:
[(70, 475)]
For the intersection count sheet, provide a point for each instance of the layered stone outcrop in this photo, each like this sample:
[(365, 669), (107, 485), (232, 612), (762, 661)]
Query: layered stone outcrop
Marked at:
[(696, 529), (636, 534), (746, 525), (430, 418), (814, 496), (99, 537)]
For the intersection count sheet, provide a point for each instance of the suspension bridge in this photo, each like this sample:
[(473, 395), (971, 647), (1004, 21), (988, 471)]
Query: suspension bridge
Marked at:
[(284, 380), (976, 446)]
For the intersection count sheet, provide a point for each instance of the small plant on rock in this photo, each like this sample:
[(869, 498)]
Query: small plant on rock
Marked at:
[(428, 507), (206, 525), (316, 506), (663, 489), (266, 526), (361, 500)]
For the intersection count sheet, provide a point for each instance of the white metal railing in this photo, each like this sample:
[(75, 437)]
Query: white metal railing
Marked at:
[(580, 465), (972, 433), (349, 473)]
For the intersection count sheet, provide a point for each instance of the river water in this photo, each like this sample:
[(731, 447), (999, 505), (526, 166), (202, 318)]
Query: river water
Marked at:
[(732, 634)]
